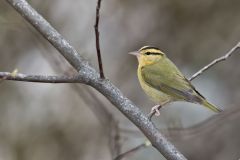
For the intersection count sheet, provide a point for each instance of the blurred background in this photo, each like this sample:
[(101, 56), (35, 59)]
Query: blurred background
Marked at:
[(66, 121)]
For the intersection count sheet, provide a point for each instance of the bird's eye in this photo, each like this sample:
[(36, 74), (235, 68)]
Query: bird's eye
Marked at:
[(153, 53)]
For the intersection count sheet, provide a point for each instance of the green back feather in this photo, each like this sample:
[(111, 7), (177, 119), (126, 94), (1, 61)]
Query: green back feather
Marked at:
[(165, 77)]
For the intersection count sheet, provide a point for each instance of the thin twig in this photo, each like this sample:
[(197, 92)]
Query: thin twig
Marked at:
[(39, 78), (97, 39), (215, 61), (133, 150)]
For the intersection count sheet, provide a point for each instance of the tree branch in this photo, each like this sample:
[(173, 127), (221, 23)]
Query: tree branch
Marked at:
[(91, 77), (215, 61), (40, 78), (97, 39)]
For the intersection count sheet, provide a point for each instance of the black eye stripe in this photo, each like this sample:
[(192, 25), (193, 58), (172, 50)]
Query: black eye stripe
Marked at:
[(149, 47), (152, 53)]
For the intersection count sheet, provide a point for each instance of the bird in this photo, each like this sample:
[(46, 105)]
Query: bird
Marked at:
[(163, 82)]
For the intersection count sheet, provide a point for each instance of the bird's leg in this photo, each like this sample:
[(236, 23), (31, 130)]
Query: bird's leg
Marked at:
[(155, 110)]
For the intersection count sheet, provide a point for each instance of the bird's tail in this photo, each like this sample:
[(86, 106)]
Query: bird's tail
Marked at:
[(211, 106)]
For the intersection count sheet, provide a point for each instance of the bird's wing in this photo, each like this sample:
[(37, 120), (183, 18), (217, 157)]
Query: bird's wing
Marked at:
[(168, 79)]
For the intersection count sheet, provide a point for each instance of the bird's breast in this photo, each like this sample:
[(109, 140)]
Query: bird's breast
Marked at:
[(154, 94)]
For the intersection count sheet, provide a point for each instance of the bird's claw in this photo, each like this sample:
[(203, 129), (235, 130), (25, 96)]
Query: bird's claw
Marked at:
[(155, 110)]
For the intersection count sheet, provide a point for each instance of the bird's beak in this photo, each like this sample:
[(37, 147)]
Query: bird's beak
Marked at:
[(135, 53)]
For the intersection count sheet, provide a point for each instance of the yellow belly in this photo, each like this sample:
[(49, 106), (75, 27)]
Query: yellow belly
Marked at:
[(154, 94)]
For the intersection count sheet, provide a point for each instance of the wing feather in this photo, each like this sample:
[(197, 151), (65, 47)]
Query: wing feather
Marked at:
[(164, 76)]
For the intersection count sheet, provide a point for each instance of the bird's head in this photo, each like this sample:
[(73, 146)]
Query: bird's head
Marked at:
[(148, 55)]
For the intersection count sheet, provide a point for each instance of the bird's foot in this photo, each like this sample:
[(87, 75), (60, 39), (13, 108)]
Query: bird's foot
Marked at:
[(156, 110)]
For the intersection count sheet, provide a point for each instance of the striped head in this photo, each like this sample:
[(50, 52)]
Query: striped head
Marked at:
[(148, 55)]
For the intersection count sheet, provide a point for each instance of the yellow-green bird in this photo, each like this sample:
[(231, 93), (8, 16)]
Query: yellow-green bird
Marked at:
[(163, 82)]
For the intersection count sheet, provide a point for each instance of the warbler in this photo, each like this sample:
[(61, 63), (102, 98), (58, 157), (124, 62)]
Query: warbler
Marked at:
[(163, 82)]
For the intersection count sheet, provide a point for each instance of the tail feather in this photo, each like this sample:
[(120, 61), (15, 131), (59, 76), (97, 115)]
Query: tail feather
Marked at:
[(211, 106)]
